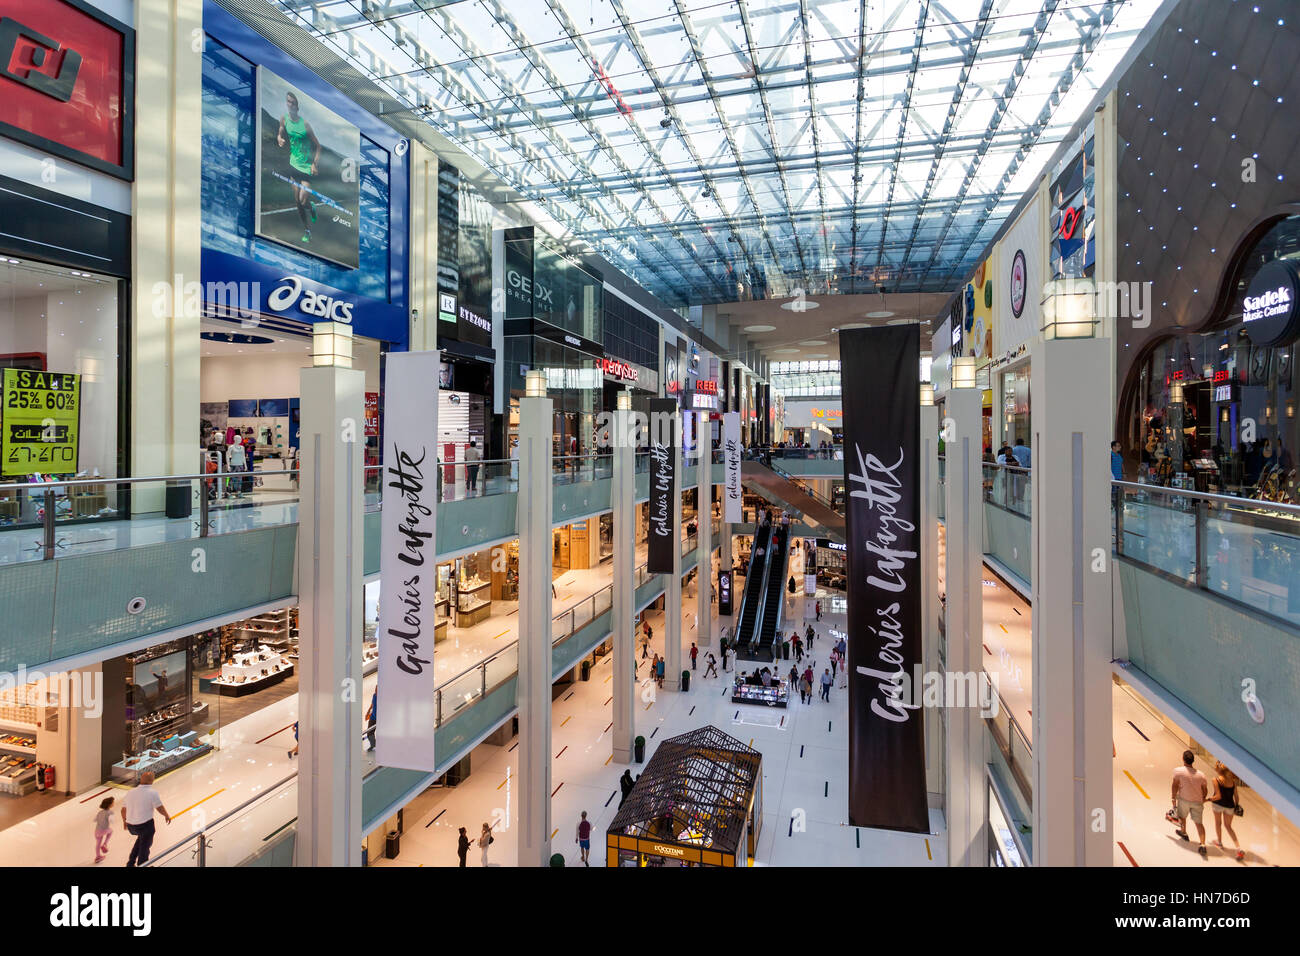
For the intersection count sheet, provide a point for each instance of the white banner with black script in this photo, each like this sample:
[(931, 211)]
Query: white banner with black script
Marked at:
[(733, 496), (663, 485), (408, 563), (881, 444)]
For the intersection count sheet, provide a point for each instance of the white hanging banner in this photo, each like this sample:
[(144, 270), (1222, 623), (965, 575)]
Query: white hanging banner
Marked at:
[(733, 496), (408, 563)]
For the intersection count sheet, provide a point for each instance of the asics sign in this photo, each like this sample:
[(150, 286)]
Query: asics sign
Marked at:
[(290, 292)]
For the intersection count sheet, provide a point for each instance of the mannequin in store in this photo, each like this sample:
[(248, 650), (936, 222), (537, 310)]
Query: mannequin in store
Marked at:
[(236, 460)]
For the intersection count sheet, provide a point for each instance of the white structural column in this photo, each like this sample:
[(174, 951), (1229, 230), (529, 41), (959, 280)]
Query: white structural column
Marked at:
[(673, 590), (1072, 816), (331, 704), (624, 504), (424, 247), (929, 472), (704, 534), (965, 804), (534, 694), (165, 244)]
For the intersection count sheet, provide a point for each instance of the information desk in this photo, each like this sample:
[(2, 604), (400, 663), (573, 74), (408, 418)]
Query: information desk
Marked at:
[(778, 696)]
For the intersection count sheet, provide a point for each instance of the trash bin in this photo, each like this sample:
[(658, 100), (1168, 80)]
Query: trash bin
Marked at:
[(686, 680), (178, 499), (638, 748), (584, 672), (393, 845)]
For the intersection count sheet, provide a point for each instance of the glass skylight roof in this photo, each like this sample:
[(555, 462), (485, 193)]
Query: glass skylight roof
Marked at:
[(722, 150)]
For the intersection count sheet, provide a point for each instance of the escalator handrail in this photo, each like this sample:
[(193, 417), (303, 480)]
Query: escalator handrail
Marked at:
[(763, 540), (777, 568)]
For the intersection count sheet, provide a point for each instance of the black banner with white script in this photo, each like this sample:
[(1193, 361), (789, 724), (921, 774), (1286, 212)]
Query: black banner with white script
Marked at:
[(881, 445), (663, 485)]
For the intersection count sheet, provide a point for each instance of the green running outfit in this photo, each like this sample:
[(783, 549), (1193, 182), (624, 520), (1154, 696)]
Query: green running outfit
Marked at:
[(300, 147)]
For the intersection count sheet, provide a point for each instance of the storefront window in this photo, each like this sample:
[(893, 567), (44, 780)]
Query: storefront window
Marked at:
[(1015, 406), (1217, 411), (64, 322)]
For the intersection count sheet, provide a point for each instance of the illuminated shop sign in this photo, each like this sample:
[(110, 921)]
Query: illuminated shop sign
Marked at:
[(1223, 393), (1269, 306), (706, 386), (827, 413), (619, 370)]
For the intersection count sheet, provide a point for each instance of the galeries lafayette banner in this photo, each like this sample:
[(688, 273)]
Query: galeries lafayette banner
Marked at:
[(663, 485), (881, 445), (408, 563), (733, 495)]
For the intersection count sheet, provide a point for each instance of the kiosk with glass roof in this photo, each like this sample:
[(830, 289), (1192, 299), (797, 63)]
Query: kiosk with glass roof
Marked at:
[(698, 803)]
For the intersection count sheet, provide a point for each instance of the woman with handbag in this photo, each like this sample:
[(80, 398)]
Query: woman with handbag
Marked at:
[(1226, 804), (485, 840)]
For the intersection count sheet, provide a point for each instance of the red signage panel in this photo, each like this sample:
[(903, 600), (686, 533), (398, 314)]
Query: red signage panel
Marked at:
[(67, 82)]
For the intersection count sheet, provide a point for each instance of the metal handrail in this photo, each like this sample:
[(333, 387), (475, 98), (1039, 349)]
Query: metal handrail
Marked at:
[(1208, 496), (62, 483), (201, 831), (994, 464)]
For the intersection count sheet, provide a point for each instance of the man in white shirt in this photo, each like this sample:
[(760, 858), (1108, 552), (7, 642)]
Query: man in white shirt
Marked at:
[(472, 457), (138, 807)]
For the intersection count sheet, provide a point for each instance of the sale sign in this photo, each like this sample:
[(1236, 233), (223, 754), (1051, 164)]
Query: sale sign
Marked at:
[(372, 414), (39, 422)]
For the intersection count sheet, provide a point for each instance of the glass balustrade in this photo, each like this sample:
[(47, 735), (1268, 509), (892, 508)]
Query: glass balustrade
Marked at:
[(1008, 487), (1241, 549)]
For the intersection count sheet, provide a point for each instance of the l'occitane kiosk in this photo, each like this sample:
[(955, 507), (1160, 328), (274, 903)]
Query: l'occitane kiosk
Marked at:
[(698, 803)]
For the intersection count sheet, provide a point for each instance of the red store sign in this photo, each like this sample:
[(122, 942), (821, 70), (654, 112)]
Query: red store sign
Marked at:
[(620, 370), (67, 82), (706, 387)]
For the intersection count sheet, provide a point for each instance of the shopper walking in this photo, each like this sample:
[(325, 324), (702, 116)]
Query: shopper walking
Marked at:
[(713, 666), (138, 808), (796, 644), (485, 840), (835, 659), (827, 680), (810, 634), (625, 783), (294, 752), (372, 717), (472, 457), (1226, 804), (104, 828), (583, 838), (819, 610), (1188, 790), (725, 649), (695, 652), (462, 846), (793, 677), (805, 687)]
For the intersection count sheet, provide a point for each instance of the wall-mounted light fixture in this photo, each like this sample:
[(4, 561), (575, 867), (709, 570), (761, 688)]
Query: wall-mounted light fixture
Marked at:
[(331, 344)]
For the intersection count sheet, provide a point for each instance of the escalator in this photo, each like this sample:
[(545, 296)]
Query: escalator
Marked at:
[(793, 496), (778, 560), (755, 579)]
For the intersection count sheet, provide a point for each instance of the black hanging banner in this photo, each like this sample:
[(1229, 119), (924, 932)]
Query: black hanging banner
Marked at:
[(663, 484), (881, 445)]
